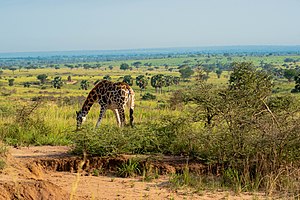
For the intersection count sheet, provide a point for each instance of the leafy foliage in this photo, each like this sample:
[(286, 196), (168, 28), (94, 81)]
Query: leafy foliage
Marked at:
[(84, 84), (141, 81), (128, 79), (297, 84), (57, 82), (42, 78), (124, 66), (186, 72), (158, 81)]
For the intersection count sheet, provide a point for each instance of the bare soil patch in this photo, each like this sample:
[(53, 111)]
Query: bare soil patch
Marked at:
[(49, 172)]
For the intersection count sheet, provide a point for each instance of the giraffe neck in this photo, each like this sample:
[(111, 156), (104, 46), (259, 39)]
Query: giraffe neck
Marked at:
[(88, 103)]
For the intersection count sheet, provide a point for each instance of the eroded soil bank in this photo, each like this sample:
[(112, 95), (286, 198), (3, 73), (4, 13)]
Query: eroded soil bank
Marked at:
[(50, 172)]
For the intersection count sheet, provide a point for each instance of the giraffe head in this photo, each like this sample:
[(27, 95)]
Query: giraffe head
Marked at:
[(80, 117)]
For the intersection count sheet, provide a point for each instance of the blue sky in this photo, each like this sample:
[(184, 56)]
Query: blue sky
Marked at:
[(58, 25)]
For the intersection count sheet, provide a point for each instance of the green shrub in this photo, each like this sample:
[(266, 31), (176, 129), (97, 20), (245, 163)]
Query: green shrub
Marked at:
[(129, 169), (148, 96)]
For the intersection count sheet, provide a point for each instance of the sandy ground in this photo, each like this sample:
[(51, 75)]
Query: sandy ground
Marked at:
[(22, 179)]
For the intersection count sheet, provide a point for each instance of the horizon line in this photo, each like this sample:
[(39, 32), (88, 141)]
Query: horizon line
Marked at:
[(153, 48)]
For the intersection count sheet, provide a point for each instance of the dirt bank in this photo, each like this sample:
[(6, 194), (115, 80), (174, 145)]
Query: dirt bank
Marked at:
[(49, 172)]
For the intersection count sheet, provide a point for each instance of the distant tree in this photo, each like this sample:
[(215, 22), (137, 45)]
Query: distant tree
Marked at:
[(84, 84), (57, 82), (288, 60), (128, 79), (201, 75), (148, 64), (186, 72), (42, 78), (158, 81), (176, 80), (141, 81), (110, 67), (136, 64), (26, 84), (86, 66), (107, 77), (289, 74), (219, 72), (13, 69), (168, 81), (124, 66), (11, 82), (297, 84)]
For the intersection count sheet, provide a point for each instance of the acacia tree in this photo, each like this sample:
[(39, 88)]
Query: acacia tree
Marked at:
[(42, 78), (186, 72), (124, 66), (219, 72), (136, 64)]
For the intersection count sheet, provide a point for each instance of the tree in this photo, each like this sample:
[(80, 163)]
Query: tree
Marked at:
[(107, 77), (141, 81), (26, 84), (169, 81), (176, 80), (124, 66), (245, 80), (57, 82), (158, 81), (128, 79), (297, 86), (136, 64), (42, 78), (13, 69), (289, 74), (219, 72), (11, 82), (84, 84), (186, 72)]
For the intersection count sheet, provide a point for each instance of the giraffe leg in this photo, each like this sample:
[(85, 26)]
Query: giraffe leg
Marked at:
[(102, 112), (122, 115), (117, 117), (131, 116)]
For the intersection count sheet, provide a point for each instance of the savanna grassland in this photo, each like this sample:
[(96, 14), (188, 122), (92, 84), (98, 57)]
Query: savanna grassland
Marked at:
[(234, 114)]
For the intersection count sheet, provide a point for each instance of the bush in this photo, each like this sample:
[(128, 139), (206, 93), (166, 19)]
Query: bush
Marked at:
[(148, 96)]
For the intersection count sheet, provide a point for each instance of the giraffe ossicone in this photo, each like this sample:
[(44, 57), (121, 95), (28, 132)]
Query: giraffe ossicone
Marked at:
[(110, 95)]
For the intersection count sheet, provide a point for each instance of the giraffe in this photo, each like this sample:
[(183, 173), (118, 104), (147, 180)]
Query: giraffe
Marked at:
[(110, 95)]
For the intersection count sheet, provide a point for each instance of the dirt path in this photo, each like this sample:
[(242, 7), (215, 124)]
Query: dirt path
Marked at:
[(24, 179)]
